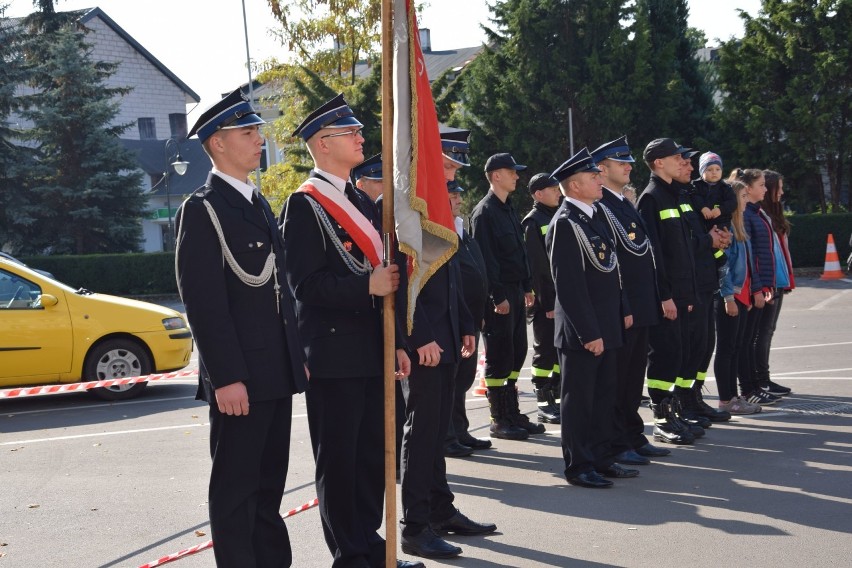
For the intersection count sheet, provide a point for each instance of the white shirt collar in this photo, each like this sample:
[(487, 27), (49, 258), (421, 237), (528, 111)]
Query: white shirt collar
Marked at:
[(246, 188), (587, 209), (615, 193), (337, 182)]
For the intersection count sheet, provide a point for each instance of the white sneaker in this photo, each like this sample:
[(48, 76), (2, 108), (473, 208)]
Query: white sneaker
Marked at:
[(738, 405)]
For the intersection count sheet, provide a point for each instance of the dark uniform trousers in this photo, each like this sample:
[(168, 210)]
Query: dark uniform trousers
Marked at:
[(586, 409), (465, 376), (544, 351), (631, 361), (242, 333), (702, 336), (668, 347), (426, 495), (249, 484), (505, 336), (348, 498), (340, 325)]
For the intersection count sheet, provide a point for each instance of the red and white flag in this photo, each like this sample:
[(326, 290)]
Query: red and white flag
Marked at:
[(424, 223)]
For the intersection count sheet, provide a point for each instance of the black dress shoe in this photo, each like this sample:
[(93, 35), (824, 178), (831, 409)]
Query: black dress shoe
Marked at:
[(649, 450), (618, 472), (409, 564), (428, 545), (475, 443), (629, 457), (589, 479), (460, 524), (457, 450)]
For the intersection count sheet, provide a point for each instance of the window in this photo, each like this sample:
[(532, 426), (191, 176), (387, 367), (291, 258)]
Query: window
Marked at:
[(147, 129), (177, 124), (17, 293)]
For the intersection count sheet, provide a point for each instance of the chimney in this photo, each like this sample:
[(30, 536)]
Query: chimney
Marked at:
[(425, 40)]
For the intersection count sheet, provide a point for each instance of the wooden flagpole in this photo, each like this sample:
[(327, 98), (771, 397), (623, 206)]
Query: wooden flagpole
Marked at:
[(389, 300)]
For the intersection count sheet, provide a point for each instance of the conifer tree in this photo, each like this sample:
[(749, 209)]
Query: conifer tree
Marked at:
[(85, 185)]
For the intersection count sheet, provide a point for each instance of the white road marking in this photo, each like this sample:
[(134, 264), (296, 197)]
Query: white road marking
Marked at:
[(115, 433), (830, 300), (814, 345)]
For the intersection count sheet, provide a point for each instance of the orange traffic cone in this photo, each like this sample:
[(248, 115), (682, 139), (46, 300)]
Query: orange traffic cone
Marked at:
[(481, 389), (832, 269)]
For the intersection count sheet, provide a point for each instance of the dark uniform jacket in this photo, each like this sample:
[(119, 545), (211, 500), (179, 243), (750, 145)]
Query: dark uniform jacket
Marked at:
[(706, 277), (339, 321), (589, 302), (496, 228), (719, 194), (659, 206), (441, 314), (237, 328), (474, 278), (535, 226), (637, 270)]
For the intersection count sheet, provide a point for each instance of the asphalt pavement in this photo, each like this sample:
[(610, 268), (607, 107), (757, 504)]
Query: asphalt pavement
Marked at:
[(87, 483)]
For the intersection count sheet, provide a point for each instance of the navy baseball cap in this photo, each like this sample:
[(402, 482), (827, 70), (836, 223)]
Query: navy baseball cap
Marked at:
[(542, 181), (501, 161), (663, 148)]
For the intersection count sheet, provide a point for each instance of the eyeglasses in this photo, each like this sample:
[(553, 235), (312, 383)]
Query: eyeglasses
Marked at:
[(353, 133)]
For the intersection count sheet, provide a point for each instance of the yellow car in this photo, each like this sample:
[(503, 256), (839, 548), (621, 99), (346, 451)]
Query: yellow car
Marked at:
[(51, 333)]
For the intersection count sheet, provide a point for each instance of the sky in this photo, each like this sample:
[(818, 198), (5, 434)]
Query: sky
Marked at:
[(204, 44)]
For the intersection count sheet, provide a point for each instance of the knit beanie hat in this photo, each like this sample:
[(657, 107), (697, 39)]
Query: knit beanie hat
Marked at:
[(708, 159)]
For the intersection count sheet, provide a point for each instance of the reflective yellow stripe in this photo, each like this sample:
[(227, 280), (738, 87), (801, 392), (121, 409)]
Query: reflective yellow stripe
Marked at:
[(544, 229), (495, 382), (660, 385), (684, 383), (700, 376), (685, 207), (556, 370), (669, 214), (719, 254), (513, 376), (540, 373)]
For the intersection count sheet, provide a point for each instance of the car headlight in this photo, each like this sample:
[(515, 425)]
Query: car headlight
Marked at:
[(174, 323)]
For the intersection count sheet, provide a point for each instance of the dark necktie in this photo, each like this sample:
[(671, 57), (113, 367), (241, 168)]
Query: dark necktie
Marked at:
[(352, 196)]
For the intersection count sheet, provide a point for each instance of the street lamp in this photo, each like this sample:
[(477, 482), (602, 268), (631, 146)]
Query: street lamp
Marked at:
[(180, 165)]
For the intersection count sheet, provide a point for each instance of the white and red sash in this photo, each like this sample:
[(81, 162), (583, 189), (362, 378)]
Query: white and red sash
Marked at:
[(347, 216)]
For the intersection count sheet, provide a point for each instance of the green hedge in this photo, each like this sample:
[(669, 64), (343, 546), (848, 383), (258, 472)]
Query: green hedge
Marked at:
[(809, 234), (117, 274)]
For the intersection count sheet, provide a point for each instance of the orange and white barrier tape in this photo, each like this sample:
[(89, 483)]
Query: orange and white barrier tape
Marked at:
[(75, 387), (209, 544)]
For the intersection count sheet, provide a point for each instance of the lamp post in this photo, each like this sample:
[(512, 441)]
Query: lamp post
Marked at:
[(180, 165)]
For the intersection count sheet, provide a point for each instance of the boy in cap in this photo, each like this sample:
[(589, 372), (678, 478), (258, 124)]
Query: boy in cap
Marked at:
[(719, 199), (545, 365), (368, 177), (590, 323), (636, 261), (333, 261), (496, 228), (250, 356)]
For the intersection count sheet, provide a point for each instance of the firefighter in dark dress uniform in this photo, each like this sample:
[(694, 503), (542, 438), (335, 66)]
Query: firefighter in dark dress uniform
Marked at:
[(229, 265), (591, 315), (334, 268), (636, 261)]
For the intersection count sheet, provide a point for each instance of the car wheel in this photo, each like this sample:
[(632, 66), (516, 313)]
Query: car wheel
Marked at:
[(117, 359)]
